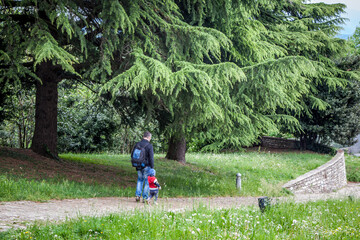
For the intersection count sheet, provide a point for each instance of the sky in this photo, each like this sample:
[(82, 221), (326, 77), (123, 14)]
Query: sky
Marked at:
[(352, 13)]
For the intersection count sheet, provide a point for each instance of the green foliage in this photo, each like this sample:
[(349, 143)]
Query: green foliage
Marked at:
[(268, 74), (352, 168), (84, 124), (339, 122), (222, 72), (333, 219), (320, 148), (18, 124), (87, 123), (355, 38)]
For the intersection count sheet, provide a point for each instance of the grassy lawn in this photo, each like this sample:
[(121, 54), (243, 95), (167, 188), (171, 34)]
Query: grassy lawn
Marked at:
[(314, 220), (203, 175), (215, 174), (352, 168)]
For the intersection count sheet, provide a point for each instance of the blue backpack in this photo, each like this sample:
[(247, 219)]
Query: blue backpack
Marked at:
[(138, 158)]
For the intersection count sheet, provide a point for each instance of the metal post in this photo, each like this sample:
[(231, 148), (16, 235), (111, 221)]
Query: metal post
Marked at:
[(238, 181)]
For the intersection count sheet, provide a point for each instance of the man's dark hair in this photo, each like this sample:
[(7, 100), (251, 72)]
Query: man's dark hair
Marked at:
[(147, 134)]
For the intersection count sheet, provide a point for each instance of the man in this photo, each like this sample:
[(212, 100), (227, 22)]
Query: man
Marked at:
[(144, 172)]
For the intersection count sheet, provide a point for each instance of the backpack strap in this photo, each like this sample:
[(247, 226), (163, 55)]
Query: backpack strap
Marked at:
[(147, 162), (144, 145)]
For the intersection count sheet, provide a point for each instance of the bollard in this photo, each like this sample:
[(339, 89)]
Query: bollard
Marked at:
[(238, 181)]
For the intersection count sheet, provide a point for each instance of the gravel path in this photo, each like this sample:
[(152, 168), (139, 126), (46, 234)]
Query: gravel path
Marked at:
[(19, 214)]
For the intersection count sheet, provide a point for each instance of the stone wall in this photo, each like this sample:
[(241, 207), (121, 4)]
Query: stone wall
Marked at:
[(273, 142), (329, 177)]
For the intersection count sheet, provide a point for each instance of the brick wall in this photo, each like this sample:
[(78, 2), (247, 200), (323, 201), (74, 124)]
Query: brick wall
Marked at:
[(329, 177), (273, 142)]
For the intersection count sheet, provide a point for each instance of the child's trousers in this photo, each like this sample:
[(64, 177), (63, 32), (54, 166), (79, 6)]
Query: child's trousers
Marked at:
[(154, 193)]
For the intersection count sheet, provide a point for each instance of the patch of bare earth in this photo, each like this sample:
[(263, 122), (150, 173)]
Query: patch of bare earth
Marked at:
[(31, 165)]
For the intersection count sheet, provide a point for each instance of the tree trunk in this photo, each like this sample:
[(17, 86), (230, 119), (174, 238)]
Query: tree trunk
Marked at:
[(45, 134), (20, 136), (177, 149)]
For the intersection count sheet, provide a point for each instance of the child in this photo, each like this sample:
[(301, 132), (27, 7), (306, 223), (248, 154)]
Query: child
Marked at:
[(154, 186)]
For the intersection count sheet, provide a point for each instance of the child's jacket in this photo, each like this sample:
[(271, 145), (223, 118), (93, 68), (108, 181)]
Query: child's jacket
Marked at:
[(153, 183)]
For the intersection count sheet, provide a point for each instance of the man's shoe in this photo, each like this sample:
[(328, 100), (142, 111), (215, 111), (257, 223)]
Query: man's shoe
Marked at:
[(137, 199)]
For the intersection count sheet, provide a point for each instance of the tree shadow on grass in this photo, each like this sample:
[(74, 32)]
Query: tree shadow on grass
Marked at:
[(26, 163)]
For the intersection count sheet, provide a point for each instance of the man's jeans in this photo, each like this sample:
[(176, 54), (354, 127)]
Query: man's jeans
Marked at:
[(142, 178)]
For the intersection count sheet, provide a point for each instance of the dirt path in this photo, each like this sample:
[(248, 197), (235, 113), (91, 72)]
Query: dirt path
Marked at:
[(19, 214)]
